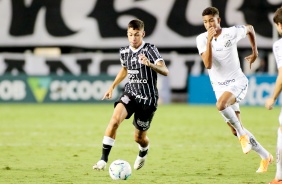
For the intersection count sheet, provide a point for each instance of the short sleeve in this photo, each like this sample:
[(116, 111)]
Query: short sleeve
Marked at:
[(154, 54), (122, 55), (201, 42), (277, 51), (241, 32)]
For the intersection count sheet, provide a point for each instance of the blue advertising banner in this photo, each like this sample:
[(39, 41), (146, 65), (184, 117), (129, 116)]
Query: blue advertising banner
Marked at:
[(260, 87)]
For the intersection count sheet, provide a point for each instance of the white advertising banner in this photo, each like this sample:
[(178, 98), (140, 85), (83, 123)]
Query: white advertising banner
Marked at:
[(103, 23)]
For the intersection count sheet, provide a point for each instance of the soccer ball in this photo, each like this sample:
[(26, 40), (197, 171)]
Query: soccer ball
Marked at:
[(120, 170)]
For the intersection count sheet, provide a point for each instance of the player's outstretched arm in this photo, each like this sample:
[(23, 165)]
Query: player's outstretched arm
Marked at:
[(252, 38), (120, 76)]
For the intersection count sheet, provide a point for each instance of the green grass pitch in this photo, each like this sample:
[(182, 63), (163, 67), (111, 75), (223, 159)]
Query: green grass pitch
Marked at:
[(59, 143)]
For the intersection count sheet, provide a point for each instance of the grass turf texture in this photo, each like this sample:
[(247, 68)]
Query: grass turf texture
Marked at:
[(189, 144)]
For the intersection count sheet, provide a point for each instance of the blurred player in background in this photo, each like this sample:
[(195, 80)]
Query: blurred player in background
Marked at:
[(277, 51), (218, 49), (141, 62)]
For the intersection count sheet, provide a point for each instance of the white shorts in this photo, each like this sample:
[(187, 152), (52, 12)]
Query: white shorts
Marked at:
[(239, 89)]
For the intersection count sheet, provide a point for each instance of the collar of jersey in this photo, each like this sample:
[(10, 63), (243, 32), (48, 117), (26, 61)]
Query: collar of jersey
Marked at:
[(143, 43)]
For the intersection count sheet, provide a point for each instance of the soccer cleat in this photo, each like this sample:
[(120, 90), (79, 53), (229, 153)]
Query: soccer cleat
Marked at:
[(276, 182), (245, 143), (139, 162), (264, 164), (101, 165)]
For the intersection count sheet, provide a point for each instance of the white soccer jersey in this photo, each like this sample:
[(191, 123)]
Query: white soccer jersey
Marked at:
[(277, 51), (225, 61)]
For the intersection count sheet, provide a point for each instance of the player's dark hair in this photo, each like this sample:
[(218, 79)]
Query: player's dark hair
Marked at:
[(277, 18), (210, 11), (136, 24)]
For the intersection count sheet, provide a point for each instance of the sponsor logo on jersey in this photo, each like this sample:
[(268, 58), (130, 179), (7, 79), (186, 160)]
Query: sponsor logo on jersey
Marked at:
[(139, 81), (226, 83), (132, 71)]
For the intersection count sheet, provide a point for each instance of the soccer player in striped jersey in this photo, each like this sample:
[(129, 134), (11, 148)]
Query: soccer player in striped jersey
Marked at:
[(141, 62), (218, 49), (277, 51)]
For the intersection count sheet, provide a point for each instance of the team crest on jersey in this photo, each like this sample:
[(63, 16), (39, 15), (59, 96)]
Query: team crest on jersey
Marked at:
[(125, 99), (228, 44), (134, 59)]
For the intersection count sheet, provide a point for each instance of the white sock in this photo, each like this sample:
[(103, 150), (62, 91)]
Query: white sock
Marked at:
[(108, 140), (230, 115), (256, 146), (142, 148), (279, 156)]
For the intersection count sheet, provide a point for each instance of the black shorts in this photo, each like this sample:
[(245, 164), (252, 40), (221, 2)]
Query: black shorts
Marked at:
[(143, 114)]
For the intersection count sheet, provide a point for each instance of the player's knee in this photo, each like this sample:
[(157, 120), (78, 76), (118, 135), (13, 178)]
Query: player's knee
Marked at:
[(114, 123), (139, 139), (220, 105)]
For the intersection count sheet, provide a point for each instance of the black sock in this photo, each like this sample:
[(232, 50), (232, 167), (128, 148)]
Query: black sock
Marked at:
[(105, 152), (143, 153)]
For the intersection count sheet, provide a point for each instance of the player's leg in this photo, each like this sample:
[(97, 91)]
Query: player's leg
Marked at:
[(143, 145), (119, 114), (278, 175), (232, 129), (223, 105), (226, 97), (142, 121), (266, 157)]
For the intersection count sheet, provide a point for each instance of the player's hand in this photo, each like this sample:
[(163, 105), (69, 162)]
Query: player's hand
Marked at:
[(269, 103), (251, 58), (107, 95), (144, 60), (211, 33)]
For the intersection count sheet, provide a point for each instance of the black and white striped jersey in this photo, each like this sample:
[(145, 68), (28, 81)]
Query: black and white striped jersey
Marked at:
[(142, 82)]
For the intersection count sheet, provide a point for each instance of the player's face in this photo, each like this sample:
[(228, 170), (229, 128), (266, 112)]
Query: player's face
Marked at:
[(135, 37), (279, 28), (211, 21)]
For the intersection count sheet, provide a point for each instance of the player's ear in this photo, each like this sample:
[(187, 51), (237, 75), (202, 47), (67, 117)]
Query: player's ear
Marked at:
[(143, 34), (219, 20), (279, 25)]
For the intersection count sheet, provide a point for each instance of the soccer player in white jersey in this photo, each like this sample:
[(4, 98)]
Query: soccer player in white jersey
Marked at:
[(141, 62), (277, 51), (218, 49)]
